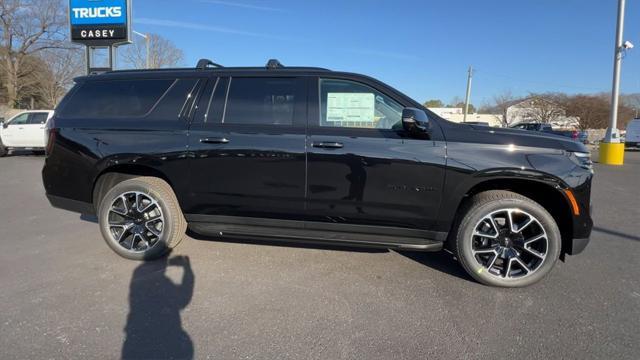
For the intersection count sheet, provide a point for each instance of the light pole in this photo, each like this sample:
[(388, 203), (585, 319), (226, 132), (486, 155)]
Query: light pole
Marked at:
[(468, 96), (611, 150), (147, 40)]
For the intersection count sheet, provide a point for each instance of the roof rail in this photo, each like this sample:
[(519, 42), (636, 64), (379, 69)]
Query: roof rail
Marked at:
[(274, 64), (205, 63)]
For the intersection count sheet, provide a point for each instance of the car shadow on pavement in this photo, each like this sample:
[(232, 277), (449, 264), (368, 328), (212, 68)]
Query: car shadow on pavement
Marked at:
[(616, 233), (441, 261), (154, 327), (89, 218)]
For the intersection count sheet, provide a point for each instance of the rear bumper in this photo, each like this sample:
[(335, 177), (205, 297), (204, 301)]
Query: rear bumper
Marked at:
[(71, 205)]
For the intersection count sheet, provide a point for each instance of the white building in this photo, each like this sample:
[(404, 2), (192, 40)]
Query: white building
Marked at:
[(457, 115)]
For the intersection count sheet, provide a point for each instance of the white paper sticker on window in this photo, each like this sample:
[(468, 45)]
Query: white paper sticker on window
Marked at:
[(350, 107)]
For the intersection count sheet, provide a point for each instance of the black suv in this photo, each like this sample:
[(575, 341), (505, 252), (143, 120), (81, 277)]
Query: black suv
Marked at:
[(309, 154)]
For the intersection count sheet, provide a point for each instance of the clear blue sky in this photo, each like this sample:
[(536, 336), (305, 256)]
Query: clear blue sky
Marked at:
[(423, 48)]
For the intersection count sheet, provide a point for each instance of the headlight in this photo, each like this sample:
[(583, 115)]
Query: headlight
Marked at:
[(582, 159)]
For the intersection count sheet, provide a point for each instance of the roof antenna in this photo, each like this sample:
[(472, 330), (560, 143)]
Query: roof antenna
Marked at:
[(274, 64)]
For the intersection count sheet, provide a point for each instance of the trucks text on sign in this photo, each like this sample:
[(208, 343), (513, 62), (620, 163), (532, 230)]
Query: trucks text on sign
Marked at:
[(100, 22)]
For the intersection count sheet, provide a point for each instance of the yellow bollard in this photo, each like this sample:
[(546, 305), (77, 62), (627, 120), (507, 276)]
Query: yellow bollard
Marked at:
[(612, 153)]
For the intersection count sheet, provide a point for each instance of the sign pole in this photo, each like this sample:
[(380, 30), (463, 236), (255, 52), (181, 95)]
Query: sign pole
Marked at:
[(87, 57)]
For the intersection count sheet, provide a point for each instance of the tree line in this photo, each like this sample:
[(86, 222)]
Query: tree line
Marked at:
[(592, 109), (38, 62)]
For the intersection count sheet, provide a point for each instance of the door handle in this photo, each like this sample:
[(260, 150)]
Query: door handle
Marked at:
[(220, 140), (20, 128), (328, 145)]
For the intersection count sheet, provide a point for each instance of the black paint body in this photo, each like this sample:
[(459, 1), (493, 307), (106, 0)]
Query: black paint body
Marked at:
[(379, 181)]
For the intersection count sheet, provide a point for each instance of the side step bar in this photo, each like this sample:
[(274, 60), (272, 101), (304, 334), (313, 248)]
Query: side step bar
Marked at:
[(292, 234)]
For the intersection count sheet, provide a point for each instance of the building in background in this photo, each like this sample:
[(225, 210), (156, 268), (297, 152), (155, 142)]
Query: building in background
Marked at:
[(457, 115)]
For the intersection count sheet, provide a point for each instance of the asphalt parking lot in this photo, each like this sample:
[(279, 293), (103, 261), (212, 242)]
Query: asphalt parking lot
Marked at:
[(65, 294)]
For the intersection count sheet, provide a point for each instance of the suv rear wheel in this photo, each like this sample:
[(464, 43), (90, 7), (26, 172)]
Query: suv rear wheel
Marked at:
[(506, 239), (140, 218)]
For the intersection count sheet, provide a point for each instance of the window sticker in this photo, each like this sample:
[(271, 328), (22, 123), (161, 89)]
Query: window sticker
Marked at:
[(358, 107)]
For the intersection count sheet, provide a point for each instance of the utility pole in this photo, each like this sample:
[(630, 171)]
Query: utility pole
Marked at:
[(468, 96), (147, 39), (611, 151)]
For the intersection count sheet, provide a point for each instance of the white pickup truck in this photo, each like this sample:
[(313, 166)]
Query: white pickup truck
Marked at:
[(25, 131)]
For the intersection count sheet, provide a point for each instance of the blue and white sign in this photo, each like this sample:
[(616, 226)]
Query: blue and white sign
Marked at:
[(98, 12), (100, 22)]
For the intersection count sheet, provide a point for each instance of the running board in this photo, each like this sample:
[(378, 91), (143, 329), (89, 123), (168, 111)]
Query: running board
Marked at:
[(290, 234)]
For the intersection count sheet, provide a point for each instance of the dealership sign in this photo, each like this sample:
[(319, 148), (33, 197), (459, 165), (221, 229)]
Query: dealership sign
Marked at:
[(100, 22)]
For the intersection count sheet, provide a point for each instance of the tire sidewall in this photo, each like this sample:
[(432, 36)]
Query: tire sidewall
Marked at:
[(3, 150), (479, 272), (161, 247)]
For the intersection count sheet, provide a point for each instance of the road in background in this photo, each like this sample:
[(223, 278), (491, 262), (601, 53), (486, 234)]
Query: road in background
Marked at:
[(65, 294)]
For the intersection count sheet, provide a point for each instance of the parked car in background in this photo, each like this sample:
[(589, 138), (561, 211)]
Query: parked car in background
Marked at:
[(580, 136), (632, 137), (25, 131)]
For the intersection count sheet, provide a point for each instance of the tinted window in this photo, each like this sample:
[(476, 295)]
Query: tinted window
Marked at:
[(211, 103), (263, 101), (349, 104), (38, 118), (20, 119), (115, 98), (175, 100)]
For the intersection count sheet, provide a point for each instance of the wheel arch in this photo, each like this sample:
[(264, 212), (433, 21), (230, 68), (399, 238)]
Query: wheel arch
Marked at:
[(549, 196), (118, 173)]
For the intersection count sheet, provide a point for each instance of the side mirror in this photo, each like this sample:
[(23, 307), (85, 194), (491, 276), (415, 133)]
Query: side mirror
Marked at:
[(416, 122), (4, 124)]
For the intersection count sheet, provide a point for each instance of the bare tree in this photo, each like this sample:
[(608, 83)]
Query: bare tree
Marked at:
[(501, 104), (163, 53), (544, 109), (593, 111), (26, 28), (632, 101), (62, 65)]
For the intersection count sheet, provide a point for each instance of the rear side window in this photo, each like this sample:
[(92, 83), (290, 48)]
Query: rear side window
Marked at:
[(263, 101), (115, 98), (38, 118)]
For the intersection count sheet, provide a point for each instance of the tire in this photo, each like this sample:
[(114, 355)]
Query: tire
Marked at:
[(535, 243), (3, 150), (141, 235)]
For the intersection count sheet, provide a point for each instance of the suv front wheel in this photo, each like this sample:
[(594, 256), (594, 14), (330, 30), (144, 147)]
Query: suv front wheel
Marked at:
[(506, 239), (140, 218)]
